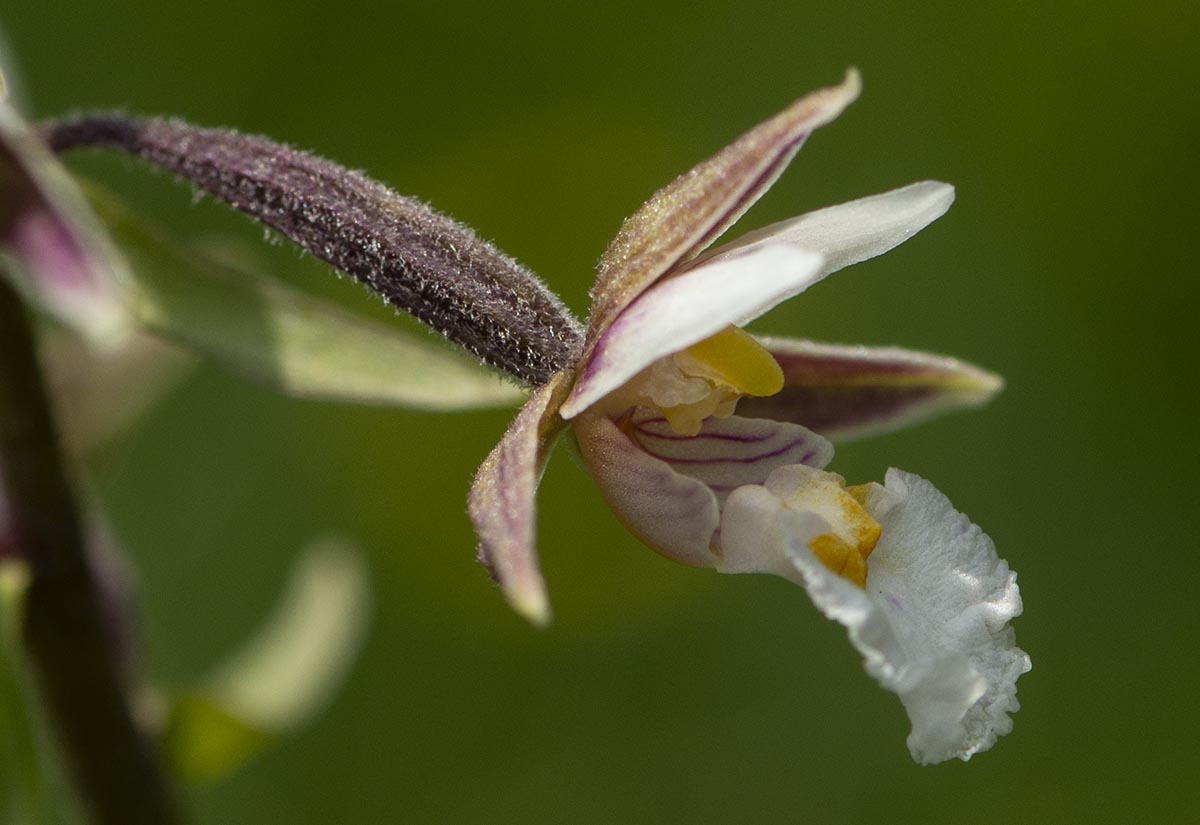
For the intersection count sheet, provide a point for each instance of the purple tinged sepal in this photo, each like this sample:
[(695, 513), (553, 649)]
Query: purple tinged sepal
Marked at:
[(848, 392), (503, 500)]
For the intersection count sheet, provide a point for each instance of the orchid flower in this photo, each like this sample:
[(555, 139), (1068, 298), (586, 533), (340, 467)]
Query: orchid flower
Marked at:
[(710, 444), (695, 432)]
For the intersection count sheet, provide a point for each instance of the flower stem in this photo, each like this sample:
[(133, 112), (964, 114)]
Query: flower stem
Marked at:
[(76, 668)]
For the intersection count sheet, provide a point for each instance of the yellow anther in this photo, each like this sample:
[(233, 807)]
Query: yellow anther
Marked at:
[(703, 381), (732, 360)]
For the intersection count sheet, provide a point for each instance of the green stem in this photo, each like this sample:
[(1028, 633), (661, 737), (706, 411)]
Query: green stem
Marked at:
[(76, 669)]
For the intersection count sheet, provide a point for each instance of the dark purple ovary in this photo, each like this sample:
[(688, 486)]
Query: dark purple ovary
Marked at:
[(420, 260)]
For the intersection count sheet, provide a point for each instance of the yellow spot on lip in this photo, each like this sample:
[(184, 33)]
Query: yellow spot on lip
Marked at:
[(855, 534), (840, 557)]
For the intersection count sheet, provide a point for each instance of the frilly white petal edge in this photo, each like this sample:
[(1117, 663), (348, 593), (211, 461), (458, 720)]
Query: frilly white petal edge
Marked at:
[(932, 623)]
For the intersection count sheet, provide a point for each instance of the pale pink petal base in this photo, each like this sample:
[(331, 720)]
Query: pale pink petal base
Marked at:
[(670, 512), (503, 502), (667, 489), (846, 392)]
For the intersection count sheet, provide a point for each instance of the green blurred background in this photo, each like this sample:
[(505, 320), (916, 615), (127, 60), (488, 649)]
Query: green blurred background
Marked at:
[(662, 694)]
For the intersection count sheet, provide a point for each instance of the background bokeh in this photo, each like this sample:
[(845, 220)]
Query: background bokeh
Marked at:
[(662, 694)]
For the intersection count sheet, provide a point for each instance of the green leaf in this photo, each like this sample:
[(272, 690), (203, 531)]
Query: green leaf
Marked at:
[(14, 581), (204, 742), (23, 777), (286, 673), (291, 341)]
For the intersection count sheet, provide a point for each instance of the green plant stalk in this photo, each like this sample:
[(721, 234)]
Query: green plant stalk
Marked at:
[(75, 668), (18, 750)]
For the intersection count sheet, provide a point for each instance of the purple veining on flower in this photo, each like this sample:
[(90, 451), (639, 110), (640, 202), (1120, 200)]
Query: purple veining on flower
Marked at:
[(644, 428), (788, 449), (734, 439)]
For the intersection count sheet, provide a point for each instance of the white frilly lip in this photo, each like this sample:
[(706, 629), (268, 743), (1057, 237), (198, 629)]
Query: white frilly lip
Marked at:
[(932, 622)]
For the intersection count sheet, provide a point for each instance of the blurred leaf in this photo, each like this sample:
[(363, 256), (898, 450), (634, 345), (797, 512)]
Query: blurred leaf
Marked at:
[(294, 342), (11, 88), (287, 672), (97, 394), (50, 243), (14, 580), (205, 742)]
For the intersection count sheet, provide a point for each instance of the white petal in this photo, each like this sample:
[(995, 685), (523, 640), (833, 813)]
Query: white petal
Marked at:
[(852, 232), (932, 623), (678, 312), (672, 513)]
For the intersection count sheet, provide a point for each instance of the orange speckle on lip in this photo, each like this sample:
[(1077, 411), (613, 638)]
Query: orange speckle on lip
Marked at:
[(845, 551)]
